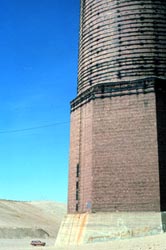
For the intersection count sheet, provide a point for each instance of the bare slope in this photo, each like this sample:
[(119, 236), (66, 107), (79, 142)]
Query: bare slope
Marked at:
[(30, 219)]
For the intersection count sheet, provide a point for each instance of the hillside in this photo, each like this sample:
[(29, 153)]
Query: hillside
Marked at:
[(20, 219)]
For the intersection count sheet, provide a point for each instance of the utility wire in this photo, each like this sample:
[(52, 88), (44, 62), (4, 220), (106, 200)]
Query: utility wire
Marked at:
[(2, 131), (31, 128)]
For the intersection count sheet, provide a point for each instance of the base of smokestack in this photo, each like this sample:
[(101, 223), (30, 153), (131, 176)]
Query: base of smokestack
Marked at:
[(77, 229)]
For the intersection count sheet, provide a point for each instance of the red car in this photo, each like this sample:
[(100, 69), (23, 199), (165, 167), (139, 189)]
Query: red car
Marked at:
[(37, 243)]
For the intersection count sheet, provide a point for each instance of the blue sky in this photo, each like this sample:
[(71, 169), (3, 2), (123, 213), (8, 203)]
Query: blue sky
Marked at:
[(38, 77)]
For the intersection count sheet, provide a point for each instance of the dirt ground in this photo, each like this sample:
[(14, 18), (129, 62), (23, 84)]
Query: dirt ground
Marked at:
[(157, 242), (23, 244)]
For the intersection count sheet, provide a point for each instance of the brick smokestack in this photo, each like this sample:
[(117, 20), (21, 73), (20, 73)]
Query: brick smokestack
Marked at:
[(118, 119)]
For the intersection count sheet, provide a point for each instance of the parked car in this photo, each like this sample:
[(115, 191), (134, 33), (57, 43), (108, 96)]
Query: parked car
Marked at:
[(37, 243)]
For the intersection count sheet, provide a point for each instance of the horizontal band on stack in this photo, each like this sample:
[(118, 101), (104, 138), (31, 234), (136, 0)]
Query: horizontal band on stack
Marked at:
[(113, 89)]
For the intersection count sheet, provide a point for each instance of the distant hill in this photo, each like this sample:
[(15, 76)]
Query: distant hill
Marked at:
[(20, 219)]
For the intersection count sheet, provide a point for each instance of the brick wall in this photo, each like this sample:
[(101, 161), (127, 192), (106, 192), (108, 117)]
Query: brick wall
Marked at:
[(74, 158), (125, 154), (80, 153), (115, 142)]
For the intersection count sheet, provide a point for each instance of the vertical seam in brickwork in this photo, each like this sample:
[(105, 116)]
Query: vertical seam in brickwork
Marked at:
[(80, 149)]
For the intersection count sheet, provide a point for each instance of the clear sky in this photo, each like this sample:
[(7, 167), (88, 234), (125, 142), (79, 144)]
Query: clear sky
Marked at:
[(38, 78)]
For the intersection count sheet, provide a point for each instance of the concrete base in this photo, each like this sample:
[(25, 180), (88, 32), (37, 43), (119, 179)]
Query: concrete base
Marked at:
[(86, 228)]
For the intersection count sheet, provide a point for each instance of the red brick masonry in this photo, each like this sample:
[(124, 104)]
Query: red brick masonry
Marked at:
[(114, 140)]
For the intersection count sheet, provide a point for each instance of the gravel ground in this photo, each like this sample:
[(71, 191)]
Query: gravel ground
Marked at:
[(157, 242)]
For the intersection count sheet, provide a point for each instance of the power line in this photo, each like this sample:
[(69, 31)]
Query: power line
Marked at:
[(31, 128)]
